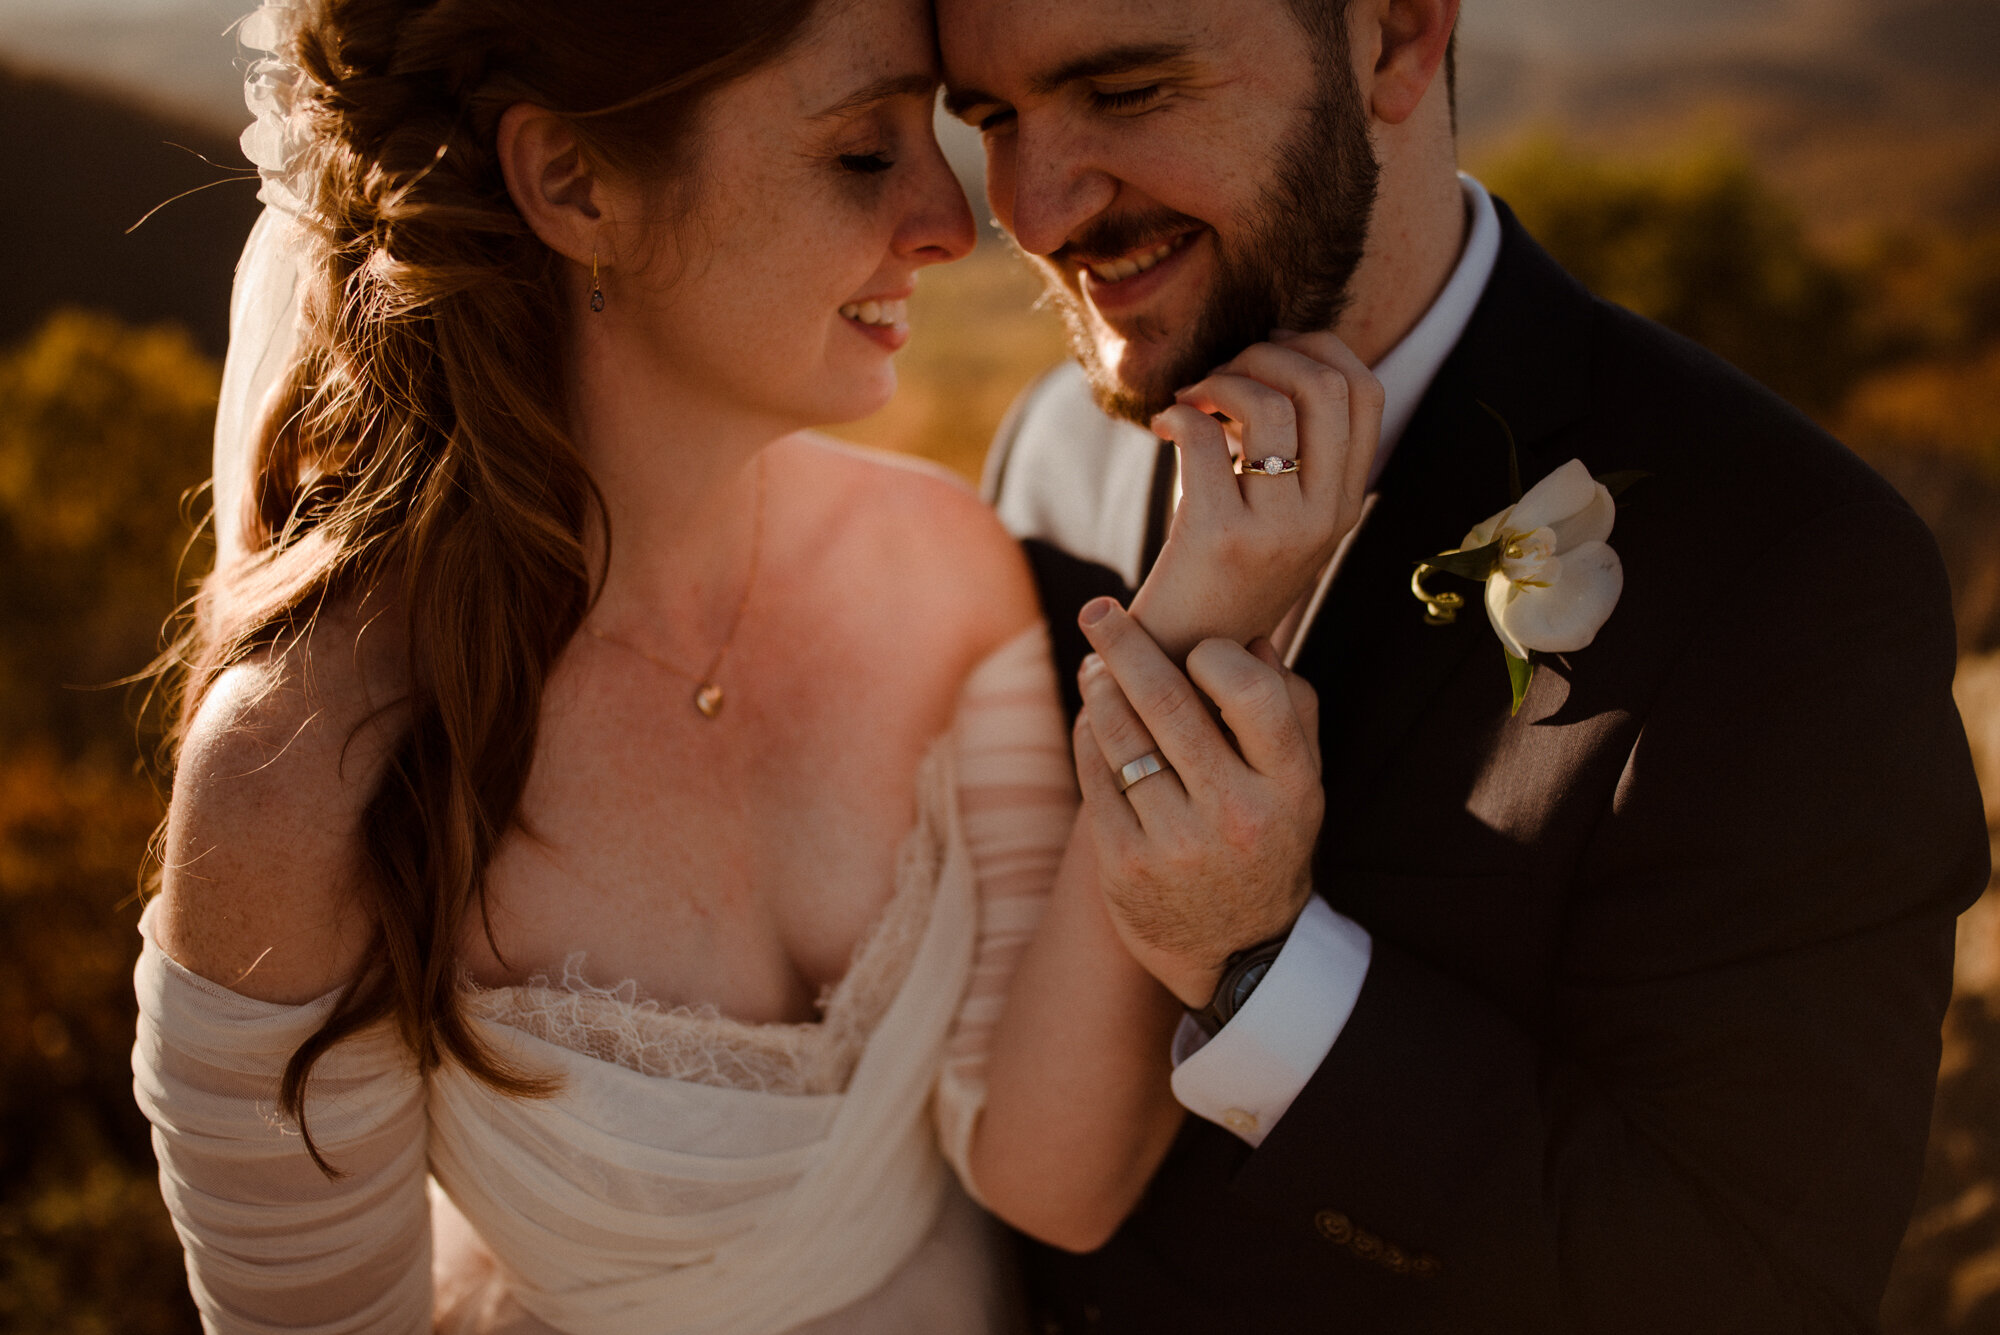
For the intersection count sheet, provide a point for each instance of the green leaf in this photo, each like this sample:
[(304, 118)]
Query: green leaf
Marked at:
[(1520, 671), (1477, 563), (1618, 483), (1513, 452)]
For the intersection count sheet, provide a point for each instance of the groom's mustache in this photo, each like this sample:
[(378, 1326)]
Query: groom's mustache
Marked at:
[(1109, 238)]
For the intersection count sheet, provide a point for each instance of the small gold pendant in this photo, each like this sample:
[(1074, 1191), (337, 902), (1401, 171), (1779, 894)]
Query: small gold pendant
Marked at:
[(709, 699)]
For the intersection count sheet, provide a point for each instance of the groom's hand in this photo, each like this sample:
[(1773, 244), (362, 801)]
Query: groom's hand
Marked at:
[(1214, 854)]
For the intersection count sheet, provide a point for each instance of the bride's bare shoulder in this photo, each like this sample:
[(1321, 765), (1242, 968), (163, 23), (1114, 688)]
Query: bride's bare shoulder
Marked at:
[(926, 536), (263, 852)]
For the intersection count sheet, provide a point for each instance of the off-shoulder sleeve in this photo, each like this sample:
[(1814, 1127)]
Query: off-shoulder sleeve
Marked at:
[(1017, 802), (273, 1244)]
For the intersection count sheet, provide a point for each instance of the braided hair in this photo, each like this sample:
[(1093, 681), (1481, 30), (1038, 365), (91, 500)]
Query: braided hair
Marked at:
[(419, 447)]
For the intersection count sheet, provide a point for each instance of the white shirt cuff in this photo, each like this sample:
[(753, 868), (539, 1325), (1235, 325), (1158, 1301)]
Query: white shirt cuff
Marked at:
[(1246, 1077)]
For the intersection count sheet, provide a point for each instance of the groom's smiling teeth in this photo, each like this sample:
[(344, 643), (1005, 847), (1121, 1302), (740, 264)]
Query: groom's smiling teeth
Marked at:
[(1130, 266), (883, 313)]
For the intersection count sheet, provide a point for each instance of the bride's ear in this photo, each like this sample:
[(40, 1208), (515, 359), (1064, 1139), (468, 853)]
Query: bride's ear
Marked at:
[(551, 181)]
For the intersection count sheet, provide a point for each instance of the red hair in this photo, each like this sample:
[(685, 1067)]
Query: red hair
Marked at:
[(419, 448)]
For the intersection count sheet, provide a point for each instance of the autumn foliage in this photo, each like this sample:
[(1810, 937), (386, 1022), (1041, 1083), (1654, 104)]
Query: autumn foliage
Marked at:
[(104, 442)]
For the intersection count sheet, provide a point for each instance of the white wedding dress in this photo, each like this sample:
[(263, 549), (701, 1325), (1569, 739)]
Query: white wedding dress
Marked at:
[(694, 1173)]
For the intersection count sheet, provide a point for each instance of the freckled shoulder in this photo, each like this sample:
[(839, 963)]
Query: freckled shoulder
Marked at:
[(942, 550), (263, 853)]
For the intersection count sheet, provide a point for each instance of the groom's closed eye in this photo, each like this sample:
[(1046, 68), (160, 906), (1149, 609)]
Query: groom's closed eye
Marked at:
[(1126, 101), (985, 110)]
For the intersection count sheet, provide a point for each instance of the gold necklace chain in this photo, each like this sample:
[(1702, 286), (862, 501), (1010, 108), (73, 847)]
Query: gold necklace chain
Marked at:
[(708, 695)]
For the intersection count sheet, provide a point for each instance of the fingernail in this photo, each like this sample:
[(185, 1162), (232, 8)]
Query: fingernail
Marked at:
[(1095, 611), (1092, 665)]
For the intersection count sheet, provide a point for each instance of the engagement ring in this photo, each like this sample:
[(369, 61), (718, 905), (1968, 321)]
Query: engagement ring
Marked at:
[(1271, 465)]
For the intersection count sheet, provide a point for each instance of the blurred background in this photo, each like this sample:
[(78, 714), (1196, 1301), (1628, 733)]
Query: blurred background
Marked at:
[(1811, 187)]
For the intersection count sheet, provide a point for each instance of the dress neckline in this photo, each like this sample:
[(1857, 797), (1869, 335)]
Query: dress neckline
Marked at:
[(698, 1043)]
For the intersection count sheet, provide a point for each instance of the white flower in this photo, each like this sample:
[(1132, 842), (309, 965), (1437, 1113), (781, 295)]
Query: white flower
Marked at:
[(1556, 580), (276, 141)]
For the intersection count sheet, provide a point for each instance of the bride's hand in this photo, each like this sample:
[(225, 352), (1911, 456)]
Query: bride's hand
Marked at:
[(1242, 550)]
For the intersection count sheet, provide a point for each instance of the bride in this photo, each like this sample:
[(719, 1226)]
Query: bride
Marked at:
[(608, 819)]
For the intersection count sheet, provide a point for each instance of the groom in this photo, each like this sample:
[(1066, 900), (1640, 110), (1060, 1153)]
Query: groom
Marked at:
[(1616, 1013)]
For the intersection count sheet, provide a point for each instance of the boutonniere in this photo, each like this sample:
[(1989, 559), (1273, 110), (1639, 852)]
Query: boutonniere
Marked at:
[(1550, 574)]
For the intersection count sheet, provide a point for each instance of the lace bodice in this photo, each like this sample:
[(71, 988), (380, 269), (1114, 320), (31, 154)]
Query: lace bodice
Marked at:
[(701, 1045), (694, 1173)]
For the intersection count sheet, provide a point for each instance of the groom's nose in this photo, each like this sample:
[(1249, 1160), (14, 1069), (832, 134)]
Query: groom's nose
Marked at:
[(1045, 183)]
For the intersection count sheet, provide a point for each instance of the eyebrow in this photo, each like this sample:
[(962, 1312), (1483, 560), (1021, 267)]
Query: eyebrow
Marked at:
[(1093, 65), (917, 83)]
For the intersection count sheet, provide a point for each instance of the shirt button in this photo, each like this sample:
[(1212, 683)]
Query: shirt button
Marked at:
[(1240, 1121)]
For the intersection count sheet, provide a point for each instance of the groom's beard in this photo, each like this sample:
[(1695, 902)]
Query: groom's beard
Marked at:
[(1291, 270)]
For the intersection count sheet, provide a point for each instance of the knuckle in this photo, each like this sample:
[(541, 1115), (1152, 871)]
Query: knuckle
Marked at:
[(1277, 410), (1209, 657), (1183, 423), (1130, 865), (1205, 430), (1165, 701), (1240, 824), (1315, 803), (1122, 744), (1328, 380), (1264, 694), (1185, 854)]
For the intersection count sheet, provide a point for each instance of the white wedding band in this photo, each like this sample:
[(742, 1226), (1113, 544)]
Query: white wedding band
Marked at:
[(1145, 767)]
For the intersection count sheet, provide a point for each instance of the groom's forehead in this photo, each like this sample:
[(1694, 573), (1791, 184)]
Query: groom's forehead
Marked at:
[(1040, 43)]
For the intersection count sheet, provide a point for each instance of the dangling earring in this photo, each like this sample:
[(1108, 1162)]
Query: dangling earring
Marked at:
[(596, 288)]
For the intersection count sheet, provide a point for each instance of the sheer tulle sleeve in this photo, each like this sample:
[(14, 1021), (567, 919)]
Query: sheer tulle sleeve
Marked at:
[(1017, 802), (273, 1244)]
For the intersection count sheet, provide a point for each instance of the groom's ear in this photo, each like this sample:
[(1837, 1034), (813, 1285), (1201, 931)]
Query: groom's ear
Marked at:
[(552, 182), (1409, 39)]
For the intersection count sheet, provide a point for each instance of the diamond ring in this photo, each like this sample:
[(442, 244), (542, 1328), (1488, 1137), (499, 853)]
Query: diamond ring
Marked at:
[(1271, 465)]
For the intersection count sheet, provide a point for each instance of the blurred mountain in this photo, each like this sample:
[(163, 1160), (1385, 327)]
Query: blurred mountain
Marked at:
[(1865, 112), (180, 56), (84, 165)]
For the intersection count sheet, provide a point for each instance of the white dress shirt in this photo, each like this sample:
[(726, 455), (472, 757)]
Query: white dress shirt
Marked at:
[(1246, 1077)]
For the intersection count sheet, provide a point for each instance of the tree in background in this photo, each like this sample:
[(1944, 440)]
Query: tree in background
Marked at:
[(103, 429), (1895, 347), (1697, 243)]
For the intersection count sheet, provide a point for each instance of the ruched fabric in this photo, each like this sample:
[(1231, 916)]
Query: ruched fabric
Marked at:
[(634, 1201)]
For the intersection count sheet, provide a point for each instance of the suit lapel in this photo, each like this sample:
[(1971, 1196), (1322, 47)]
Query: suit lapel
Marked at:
[(1375, 661)]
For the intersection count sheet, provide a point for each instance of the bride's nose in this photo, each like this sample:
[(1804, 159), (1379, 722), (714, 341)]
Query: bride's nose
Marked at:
[(936, 225)]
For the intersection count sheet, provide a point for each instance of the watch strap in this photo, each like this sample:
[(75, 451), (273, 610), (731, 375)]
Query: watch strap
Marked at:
[(1241, 973)]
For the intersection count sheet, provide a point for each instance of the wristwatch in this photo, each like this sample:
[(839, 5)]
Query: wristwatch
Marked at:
[(1241, 973)]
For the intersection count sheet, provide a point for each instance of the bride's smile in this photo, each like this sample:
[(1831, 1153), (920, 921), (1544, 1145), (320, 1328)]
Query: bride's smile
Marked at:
[(766, 293), (761, 289)]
